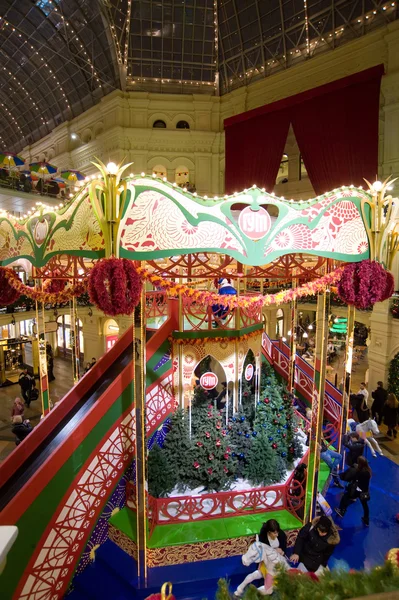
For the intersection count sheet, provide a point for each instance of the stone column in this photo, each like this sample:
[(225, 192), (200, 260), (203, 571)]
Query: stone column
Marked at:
[(379, 350)]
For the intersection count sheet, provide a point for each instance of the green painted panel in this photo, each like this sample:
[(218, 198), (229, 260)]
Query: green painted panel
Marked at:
[(215, 333), (202, 531), (35, 520)]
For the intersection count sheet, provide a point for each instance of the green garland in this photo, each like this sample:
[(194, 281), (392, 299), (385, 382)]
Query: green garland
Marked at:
[(334, 585)]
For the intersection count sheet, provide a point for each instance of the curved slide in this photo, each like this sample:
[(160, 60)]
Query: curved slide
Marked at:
[(55, 485)]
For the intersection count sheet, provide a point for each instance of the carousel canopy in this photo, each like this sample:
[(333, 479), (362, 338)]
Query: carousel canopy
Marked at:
[(61, 57)]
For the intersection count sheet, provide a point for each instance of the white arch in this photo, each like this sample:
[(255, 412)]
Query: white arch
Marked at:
[(159, 117), (183, 117)]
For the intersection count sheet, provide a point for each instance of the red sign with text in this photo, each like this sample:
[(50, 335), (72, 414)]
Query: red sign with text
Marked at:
[(208, 381), (249, 371)]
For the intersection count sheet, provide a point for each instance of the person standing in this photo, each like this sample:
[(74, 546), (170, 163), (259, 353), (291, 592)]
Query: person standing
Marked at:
[(391, 415), (315, 544), (380, 396), (27, 383), (359, 483)]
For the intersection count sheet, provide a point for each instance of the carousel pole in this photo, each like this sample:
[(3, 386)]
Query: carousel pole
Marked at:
[(41, 345), (75, 345), (141, 444), (316, 426), (291, 372), (347, 372)]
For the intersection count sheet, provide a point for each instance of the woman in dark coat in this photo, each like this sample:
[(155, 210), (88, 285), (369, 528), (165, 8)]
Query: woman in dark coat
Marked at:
[(359, 483), (391, 415)]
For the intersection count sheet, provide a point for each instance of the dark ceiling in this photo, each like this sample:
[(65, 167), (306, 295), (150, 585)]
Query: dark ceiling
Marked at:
[(59, 57)]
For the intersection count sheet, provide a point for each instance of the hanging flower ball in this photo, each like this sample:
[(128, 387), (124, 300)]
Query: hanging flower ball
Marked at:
[(365, 283), (115, 286), (196, 465), (54, 285), (8, 294)]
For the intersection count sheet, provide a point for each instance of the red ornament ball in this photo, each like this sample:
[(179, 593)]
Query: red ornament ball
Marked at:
[(266, 400), (115, 286), (210, 471), (8, 294), (274, 446), (365, 283)]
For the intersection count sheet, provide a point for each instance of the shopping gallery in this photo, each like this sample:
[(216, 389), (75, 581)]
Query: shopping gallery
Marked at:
[(199, 322)]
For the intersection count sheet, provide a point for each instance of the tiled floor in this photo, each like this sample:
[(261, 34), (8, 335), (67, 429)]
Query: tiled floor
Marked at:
[(58, 388)]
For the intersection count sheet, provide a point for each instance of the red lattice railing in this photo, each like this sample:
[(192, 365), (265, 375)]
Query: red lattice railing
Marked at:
[(182, 509)]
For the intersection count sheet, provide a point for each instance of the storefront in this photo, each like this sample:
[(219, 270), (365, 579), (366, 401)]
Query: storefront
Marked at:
[(111, 333), (65, 339)]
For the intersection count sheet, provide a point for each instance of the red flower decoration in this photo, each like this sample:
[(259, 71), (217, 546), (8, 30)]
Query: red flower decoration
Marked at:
[(226, 455), (218, 442), (207, 434), (365, 283), (196, 465), (200, 444), (210, 471), (218, 425), (115, 286), (54, 285), (8, 294), (211, 457), (225, 469)]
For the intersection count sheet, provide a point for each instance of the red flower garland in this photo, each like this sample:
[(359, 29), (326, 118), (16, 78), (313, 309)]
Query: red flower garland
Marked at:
[(54, 286), (115, 286), (8, 293), (365, 283)]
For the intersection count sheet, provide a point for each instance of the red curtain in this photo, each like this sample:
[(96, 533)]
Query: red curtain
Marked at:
[(337, 134), (254, 148), (336, 127)]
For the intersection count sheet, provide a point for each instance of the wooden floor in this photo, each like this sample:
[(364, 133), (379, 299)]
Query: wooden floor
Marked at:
[(58, 388)]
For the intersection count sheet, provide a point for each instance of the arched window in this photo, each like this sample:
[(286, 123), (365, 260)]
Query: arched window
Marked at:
[(182, 176), (182, 125), (280, 323), (159, 171), (159, 124)]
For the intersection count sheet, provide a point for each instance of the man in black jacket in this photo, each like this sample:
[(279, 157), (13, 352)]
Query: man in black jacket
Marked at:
[(315, 544), (380, 396), (355, 446), (27, 383)]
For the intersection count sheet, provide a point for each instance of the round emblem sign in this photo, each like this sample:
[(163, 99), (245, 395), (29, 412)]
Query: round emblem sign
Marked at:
[(208, 381), (249, 371), (254, 223)]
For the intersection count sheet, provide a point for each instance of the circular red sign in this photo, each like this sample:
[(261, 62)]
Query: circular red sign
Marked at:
[(208, 381), (254, 223), (249, 371)]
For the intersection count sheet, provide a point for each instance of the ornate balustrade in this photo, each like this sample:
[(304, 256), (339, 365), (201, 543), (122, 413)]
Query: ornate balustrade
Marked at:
[(278, 355), (182, 509), (198, 317)]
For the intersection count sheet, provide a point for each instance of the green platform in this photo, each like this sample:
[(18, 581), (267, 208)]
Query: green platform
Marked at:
[(202, 531)]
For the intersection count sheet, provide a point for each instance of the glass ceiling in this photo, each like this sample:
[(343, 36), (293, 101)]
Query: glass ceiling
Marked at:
[(59, 57)]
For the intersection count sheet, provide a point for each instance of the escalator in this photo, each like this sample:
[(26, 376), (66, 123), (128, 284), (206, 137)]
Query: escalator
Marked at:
[(65, 427)]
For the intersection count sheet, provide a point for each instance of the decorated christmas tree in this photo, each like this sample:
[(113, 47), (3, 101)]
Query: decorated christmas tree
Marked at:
[(240, 439), (265, 464), (201, 396), (248, 388), (178, 447), (277, 426), (161, 478), (393, 376), (294, 447), (211, 463)]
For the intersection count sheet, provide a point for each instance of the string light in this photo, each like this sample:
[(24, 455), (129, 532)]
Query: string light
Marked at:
[(305, 6)]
